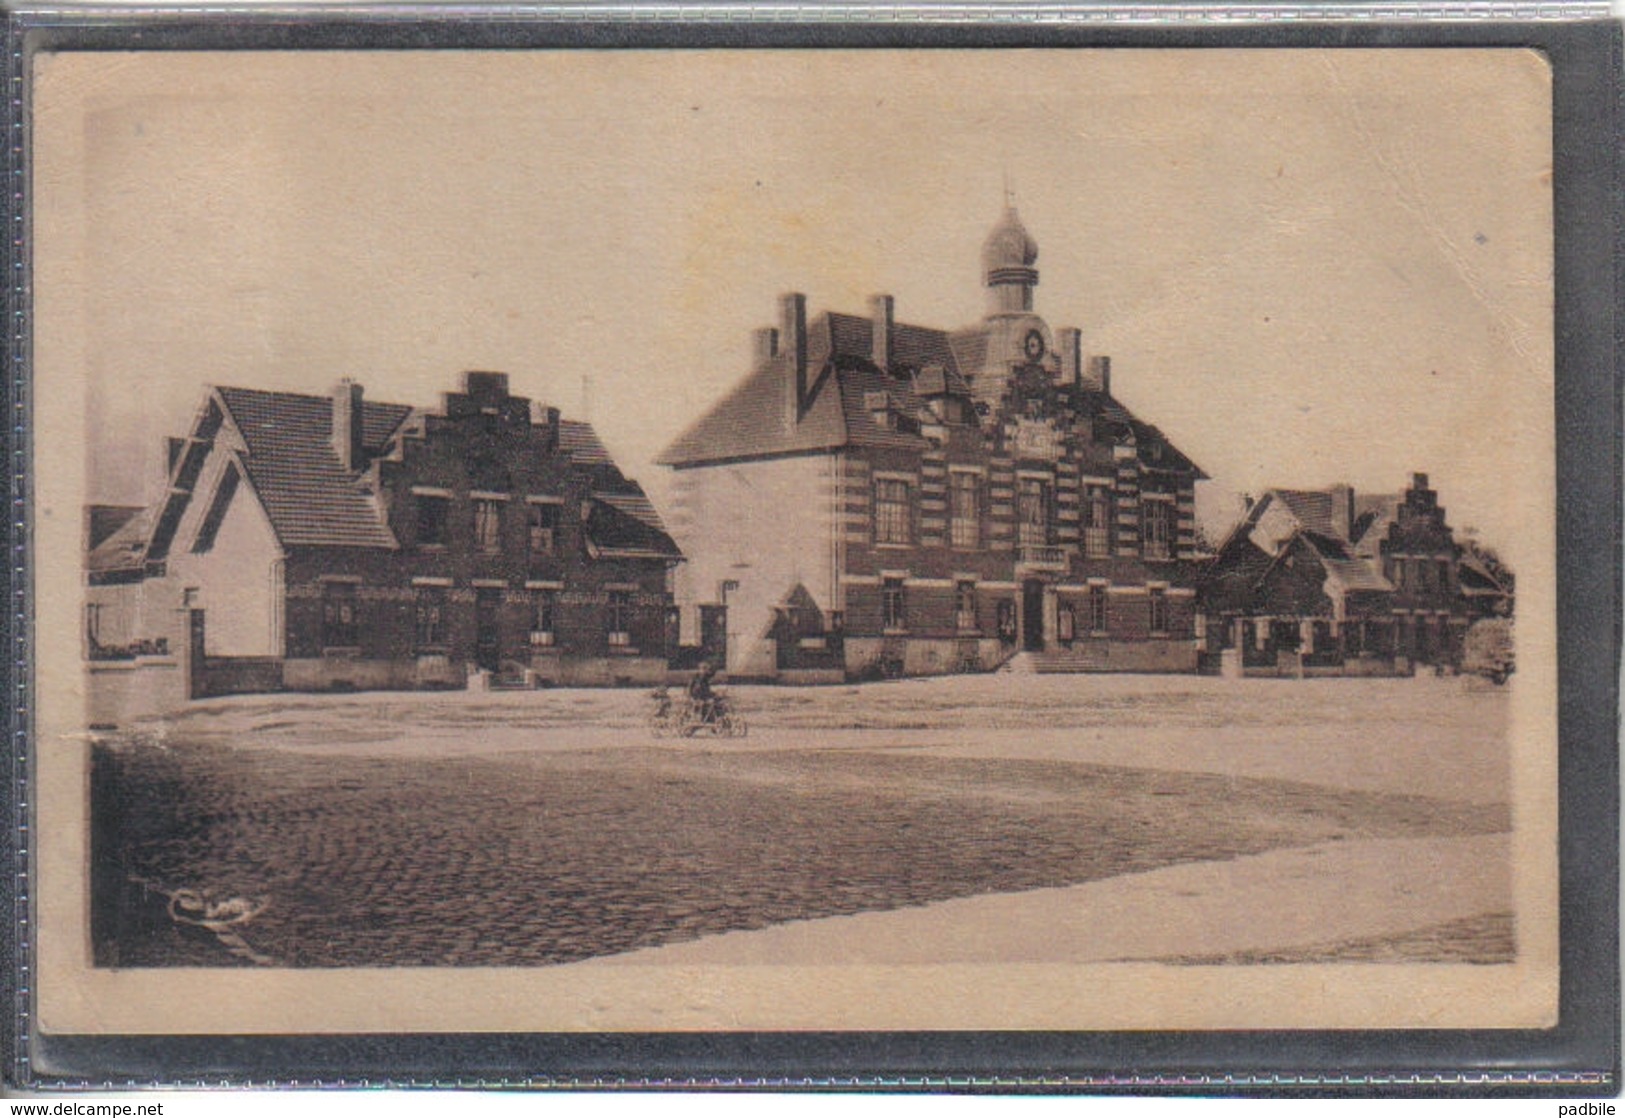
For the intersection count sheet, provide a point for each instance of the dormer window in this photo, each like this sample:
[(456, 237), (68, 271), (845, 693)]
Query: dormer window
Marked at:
[(878, 405)]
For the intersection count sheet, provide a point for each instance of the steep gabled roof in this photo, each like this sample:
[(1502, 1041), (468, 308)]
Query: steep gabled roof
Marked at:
[(125, 549), (750, 421), (309, 496), (1313, 509), (912, 347), (102, 521), (969, 347), (1243, 566), (626, 526), (1344, 569), (1477, 580), (1372, 516), (581, 443)]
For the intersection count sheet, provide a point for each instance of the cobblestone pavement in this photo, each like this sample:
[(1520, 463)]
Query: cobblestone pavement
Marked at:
[(555, 856)]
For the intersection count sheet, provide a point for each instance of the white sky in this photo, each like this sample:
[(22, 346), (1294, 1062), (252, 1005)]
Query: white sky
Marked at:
[(1307, 266)]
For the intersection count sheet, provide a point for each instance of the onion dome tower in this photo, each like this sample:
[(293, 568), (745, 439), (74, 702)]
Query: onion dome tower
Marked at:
[(1008, 256)]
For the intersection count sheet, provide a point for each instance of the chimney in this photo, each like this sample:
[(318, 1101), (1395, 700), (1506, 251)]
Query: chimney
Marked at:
[(1419, 482), (546, 418), (1342, 496), (764, 346), (347, 423), (483, 386), (880, 314), (1070, 342), (793, 340), (1100, 374)]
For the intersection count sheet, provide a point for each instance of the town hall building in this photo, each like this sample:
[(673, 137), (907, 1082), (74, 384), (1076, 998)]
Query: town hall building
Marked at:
[(878, 498)]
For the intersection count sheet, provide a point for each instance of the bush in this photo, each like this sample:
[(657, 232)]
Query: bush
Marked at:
[(1488, 649)]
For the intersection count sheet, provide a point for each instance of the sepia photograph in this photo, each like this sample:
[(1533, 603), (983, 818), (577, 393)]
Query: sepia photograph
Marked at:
[(602, 540)]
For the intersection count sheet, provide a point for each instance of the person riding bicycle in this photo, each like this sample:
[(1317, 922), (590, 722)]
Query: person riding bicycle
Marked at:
[(662, 698), (701, 694)]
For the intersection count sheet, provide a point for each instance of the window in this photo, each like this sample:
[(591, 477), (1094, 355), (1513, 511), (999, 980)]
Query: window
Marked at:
[(1066, 624), (1097, 609), (893, 615), (543, 527), (339, 615), (432, 520), (488, 525), (892, 511), (1032, 513), (964, 509), (965, 606), (544, 605), (1097, 530), (1395, 570), (429, 628), (1444, 575), (883, 416), (618, 618), (1157, 599), (1157, 525)]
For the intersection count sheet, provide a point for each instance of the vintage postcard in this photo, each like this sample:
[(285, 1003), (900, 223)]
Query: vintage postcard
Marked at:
[(1005, 539)]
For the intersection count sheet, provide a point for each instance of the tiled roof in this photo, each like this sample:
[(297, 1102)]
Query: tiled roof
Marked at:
[(636, 504), (912, 347), (581, 443), (626, 525), (102, 521), (308, 494), (856, 386), (1229, 582), (1343, 567), (1476, 580), (750, 422), (125, 548), (970, 348), (1372, 516), (936, 380), (1312, 507)]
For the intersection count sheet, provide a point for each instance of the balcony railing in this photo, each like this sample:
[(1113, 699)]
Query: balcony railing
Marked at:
[(1042, 558)]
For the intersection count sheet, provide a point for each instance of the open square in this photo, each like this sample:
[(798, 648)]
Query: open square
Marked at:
[(551, 827)]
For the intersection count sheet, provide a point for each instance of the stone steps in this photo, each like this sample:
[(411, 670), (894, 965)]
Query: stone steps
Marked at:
[(1058, 661)]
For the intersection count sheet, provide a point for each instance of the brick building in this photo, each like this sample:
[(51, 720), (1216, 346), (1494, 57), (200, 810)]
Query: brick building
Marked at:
[(313, 542), (877, 497), (1328, 580)]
